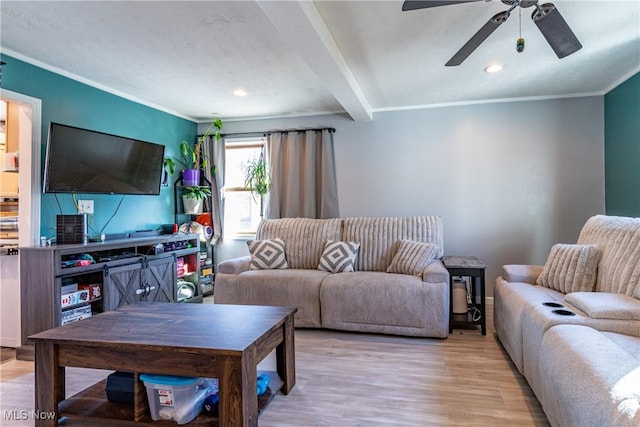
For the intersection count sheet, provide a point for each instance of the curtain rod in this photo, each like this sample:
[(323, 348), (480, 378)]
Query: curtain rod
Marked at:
[(276, 131)]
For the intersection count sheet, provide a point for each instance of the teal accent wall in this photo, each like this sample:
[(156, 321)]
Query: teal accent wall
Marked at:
[(622, 149), (70, 102)]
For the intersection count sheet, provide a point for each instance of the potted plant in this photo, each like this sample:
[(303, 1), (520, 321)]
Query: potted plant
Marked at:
[(192, 198), (257, 178), (193, 158)]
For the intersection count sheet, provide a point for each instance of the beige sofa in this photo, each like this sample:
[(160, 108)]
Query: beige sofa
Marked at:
[(579, 351), (368, 299)]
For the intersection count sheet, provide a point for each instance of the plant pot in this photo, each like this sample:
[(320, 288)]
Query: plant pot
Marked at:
[(191, 206), (191, 177)]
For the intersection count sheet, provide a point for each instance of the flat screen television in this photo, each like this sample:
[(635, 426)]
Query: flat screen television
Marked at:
[(85, 161)]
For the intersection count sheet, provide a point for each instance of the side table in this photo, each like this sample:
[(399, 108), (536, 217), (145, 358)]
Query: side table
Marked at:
[(473, 268)]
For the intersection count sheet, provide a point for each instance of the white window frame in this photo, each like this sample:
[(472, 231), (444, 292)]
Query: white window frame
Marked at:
[(238, 143)]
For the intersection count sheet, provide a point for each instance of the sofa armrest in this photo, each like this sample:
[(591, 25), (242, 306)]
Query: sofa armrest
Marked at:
[(435, 273), (521, 273), (235, 265)]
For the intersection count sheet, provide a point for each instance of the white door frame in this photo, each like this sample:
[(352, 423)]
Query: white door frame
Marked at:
[(29, 190), (29, 180)]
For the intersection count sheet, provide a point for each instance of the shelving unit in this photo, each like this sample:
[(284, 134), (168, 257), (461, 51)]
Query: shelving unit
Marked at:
[(203, 282), (127, 271)]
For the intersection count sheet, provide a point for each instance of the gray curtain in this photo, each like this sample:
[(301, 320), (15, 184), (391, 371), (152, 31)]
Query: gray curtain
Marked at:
[(303, 175), (214, 150)]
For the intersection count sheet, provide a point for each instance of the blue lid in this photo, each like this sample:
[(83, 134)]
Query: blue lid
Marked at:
[(168, 379)]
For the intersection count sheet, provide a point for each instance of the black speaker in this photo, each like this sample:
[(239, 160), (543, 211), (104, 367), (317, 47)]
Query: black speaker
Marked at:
[(71, 229)]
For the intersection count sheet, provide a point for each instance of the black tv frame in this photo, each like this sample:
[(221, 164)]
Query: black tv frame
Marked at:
[(87, 164)]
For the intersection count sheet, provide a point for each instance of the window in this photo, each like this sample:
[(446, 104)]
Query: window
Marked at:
[(241, 208)]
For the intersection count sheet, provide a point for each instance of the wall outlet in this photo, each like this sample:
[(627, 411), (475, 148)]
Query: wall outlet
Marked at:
[(85, 206)]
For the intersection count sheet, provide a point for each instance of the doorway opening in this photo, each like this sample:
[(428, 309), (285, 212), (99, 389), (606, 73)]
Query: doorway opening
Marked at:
[(20, 187)]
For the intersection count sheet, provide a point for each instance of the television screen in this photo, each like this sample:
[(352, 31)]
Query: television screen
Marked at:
[(85, 161)]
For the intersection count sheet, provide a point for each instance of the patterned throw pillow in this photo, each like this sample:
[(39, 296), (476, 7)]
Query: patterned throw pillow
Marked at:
[(570, 268), (412, 257), (339, 257), (267, 254)]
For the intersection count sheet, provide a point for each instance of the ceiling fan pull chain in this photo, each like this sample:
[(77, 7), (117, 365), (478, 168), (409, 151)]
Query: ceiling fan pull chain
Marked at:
[(520, 42)]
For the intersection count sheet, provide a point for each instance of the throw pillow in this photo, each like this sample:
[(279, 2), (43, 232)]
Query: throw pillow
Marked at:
[(570, 268), (267, 254), (412, 257), (338, 257)]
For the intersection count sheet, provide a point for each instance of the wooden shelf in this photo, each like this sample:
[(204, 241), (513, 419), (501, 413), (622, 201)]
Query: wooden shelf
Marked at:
[(91, 405), (465, 319), (80, 304)]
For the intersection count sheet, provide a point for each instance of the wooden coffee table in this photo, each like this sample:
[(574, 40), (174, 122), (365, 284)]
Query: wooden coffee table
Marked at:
[(202, 340)]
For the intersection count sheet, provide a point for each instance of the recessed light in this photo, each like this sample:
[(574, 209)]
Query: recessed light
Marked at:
[(240, 92), (493, 68)]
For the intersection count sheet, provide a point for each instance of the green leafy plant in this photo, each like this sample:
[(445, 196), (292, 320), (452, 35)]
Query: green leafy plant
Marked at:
[(256, 177), (193, 156), (196, 192)]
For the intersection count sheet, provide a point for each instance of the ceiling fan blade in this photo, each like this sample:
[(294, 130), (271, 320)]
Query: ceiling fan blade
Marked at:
[(413, 5), (477, 39), (556, 30)]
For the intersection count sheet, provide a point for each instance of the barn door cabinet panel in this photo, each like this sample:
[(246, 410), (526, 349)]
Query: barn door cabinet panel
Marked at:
[(122, 285), (66, 283), (145, 281)]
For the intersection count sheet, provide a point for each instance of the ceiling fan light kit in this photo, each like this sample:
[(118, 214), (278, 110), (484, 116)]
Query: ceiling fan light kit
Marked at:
[(546, 17), (493, 68)]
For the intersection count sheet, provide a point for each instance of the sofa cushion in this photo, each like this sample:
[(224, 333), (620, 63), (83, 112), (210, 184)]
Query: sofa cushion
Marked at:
[(338, 257), (385, 303), (378, 237), (304, 238), (626, 342), (570, 268), (619, 241), (601, 305), (589, 380), (267, 254), (286, 287), (412, 257)]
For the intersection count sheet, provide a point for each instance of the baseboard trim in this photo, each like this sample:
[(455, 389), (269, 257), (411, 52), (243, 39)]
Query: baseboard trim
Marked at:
[(26, 352)]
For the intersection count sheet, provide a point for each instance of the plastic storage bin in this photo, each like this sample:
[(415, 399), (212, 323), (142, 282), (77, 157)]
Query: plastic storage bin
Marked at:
[(176, 398), (120, 387)]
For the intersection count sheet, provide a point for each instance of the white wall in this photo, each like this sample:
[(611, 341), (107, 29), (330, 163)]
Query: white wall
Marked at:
[(509, 179)]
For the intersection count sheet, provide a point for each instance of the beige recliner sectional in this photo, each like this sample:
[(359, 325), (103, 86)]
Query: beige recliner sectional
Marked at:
[(579, 351), (368, 299)]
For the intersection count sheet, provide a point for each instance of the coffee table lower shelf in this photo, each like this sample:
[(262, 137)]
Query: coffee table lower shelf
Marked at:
[(92, 405)]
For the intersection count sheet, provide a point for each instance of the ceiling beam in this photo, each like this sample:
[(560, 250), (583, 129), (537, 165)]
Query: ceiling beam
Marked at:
[(301, 25)]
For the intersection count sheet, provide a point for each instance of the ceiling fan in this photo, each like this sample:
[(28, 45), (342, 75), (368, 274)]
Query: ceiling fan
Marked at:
[(549, 21)]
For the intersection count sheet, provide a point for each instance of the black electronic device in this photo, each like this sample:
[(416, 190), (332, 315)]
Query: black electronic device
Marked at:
[(152, 249), (145, 233), (176, 246), (71, 229), (85, 161)]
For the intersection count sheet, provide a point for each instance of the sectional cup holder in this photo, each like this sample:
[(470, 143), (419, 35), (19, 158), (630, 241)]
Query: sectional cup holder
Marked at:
[(563, 312), (559, 311), (553, 304)]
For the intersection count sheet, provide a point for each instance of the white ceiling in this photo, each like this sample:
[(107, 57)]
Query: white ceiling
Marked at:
[(303, 57)]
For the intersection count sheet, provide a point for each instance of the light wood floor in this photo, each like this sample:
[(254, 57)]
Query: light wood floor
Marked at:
[(345, 379)]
